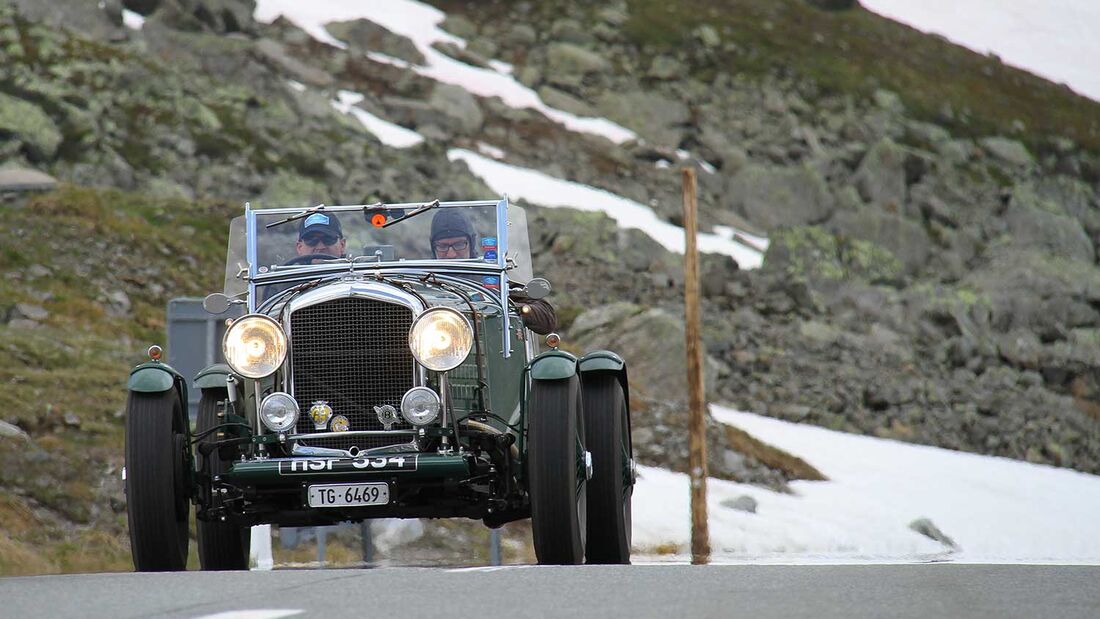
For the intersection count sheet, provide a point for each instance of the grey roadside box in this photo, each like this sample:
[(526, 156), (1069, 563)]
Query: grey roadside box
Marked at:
[(195, 341)]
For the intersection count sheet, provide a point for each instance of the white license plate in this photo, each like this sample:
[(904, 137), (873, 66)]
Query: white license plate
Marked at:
[(345, 495)]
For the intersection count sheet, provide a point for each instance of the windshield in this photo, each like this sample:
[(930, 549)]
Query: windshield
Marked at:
[(457, 233)]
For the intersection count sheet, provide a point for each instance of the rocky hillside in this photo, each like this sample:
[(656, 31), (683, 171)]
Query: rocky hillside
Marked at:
[(932, 214)]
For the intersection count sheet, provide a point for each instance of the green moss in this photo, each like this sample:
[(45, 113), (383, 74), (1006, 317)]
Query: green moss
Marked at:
[(949, 298), (30, 124), (866, 260), (812, 253), (848, 52)]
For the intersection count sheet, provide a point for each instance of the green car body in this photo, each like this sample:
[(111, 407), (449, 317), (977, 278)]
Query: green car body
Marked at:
[(345, 325)]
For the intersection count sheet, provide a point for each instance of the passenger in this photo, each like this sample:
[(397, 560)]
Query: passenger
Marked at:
[(453, 238)]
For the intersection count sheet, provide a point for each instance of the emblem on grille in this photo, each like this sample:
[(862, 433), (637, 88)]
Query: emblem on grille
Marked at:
[(320, 413), (387, 415)]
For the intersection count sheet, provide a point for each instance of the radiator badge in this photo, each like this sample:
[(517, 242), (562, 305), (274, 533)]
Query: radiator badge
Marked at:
[(387, 415), (340, 423), (320, 413)]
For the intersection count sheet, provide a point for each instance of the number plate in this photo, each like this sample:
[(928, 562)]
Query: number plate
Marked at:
[(348, 495)]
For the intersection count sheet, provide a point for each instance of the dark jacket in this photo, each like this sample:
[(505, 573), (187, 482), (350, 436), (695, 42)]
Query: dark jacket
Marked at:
[(538, 315)]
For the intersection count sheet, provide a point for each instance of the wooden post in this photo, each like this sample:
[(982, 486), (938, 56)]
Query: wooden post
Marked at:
[(697, 429)]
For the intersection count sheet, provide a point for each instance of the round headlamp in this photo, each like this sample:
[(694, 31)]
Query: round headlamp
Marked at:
[(254, 346), (279, 412), (420, 406), (441, 338)]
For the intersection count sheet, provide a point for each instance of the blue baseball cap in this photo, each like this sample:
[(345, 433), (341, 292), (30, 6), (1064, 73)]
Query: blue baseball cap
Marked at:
[(324, 223)]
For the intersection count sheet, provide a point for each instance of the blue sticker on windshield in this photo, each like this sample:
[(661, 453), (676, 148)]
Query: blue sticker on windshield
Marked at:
[(490, 254), (316, 218), (491, 281), (488, 241)]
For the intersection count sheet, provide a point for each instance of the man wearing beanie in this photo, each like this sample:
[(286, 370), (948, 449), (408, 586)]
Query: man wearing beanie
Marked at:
[(453, 238)]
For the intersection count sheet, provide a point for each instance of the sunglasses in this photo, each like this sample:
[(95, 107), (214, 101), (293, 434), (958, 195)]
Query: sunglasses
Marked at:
[(456, 246), (314, 240)]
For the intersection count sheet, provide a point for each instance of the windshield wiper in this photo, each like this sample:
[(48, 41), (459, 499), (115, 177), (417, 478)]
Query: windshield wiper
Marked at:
[(308, 211), (427, 207)]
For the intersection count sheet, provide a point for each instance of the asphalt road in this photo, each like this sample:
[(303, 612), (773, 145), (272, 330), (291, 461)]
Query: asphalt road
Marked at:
[(666, 591)]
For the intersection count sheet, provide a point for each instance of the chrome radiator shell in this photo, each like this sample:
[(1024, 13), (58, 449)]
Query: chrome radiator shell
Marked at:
[(349, 347)]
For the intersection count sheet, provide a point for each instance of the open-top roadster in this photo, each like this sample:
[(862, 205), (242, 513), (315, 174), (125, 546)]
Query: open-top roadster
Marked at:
[(383, 380)]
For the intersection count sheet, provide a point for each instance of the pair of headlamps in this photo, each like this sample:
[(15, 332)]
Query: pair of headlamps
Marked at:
[(255, 345)]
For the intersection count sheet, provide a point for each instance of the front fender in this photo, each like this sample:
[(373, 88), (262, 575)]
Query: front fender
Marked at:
[(605, 361), (553, 365), (213, 376), (153, 377), (157, 377)]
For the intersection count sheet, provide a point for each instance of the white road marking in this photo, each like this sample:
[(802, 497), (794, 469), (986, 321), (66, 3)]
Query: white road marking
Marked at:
[(258, 613), (490, 568)]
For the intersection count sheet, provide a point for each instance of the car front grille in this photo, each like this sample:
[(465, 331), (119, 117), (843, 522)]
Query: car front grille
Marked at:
[(354, 354)]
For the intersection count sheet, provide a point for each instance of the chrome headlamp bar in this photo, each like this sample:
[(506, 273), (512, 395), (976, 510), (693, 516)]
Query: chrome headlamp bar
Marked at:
[(315, 435)]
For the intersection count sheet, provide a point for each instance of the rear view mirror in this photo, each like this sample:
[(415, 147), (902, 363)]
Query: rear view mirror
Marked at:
[(538, 288), (216, 303)]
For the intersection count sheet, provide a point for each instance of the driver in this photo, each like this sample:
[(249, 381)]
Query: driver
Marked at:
[(453, 237), (320, 233), (320, 236)]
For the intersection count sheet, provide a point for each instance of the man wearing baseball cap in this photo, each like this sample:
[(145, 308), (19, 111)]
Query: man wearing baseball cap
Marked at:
[(320, 233)]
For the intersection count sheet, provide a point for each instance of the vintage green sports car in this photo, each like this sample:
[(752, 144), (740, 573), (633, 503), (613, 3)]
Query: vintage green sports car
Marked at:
[(380, 378)]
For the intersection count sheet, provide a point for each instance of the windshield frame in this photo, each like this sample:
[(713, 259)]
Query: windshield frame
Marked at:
[(473, 266)]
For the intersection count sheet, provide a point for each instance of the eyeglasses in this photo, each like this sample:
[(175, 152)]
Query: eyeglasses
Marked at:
[(319, 239), (457, 246)]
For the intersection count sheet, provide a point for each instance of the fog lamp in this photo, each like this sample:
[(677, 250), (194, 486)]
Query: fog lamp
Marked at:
[(420, 406), (279, 412)]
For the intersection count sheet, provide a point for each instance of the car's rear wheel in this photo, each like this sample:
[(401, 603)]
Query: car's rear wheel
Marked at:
[(156, 481), (557, 471), (607, 429), (222, 546)]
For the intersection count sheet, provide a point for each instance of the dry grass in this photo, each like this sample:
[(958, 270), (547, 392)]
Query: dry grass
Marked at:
[(92, 551), (772, 457), (20, 559)]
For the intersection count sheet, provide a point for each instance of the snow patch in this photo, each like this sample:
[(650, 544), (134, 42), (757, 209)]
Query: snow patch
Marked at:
[(745, 238), (1051, 38), (420, 23), (490, 150), (132, 19), (995, 509), (546, 190), (388, 133)]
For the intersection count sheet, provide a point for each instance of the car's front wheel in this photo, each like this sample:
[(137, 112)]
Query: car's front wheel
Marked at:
[(557, 471), (156, 481), (222, 546)]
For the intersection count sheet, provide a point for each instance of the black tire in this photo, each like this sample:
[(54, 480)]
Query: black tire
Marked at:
[(558, 489), (222, 546), (156, 482), (611, 488)]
